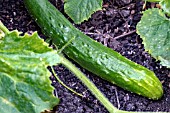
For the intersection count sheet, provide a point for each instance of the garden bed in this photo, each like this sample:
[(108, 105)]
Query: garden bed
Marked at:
[(114, 26)]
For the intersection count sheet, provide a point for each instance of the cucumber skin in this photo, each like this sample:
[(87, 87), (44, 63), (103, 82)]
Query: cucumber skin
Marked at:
[(93, 56)]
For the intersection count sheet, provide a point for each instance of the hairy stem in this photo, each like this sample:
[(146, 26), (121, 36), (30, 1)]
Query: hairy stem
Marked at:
[(90, 85), (94, 90), (58, 79), (3, 28)]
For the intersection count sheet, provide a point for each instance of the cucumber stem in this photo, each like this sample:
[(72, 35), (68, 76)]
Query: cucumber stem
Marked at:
[(94, 90), (58, 79), (3, 28), (60, 50), (90, 85)]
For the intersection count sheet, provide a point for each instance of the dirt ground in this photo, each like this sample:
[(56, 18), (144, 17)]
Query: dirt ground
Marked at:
[(114, 26)]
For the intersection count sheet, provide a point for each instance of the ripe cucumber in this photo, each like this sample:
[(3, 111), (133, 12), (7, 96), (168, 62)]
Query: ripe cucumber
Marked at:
[(91, 55)]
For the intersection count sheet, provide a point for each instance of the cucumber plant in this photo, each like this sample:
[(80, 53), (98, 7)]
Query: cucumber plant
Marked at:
[(25, 85), (24, 79), (80, 10), (77, 46), (106, 63), (165, 5), (153, 28)]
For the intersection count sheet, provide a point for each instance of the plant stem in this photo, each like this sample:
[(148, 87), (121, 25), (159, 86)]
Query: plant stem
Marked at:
[(90, 85), (3, 28), (60, 50), (94, 90), (58, 79)]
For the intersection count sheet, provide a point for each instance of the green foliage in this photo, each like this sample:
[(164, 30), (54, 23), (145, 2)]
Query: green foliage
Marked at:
[(24, 78), (154, 30), (89, 53), (165, 5), (1, 34), (152, 0), (80, 10)]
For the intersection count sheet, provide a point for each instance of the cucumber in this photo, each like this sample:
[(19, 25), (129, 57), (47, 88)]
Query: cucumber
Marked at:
[(91, 55)]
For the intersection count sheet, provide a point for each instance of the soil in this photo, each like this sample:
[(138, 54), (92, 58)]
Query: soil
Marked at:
[(110, 27)]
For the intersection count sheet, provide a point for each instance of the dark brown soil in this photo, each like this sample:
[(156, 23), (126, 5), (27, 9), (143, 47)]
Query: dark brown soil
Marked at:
[(107, 26)]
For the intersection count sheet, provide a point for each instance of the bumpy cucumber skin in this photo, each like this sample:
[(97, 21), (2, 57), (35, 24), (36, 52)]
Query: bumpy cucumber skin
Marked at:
[(93, 56)]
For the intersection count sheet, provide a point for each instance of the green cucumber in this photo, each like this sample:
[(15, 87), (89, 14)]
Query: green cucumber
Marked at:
[(91, 55)]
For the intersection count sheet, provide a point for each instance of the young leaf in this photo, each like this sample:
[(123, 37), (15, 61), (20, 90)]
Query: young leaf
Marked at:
[(80, 10), (24, 78), (165, 5), (154, 29)]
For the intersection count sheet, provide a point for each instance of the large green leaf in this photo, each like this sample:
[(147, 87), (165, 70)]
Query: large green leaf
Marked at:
[(154, 29), (24, 78), (80, 10), (165, 5)]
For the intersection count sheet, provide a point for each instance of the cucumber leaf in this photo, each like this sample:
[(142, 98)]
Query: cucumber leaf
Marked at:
[(80, 10), (165, 5), (1, 34), (24, 78), (154, 29)]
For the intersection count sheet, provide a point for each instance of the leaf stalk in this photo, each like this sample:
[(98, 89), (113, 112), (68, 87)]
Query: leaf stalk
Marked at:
[(95, 91), (3, 28), (58, 79)]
